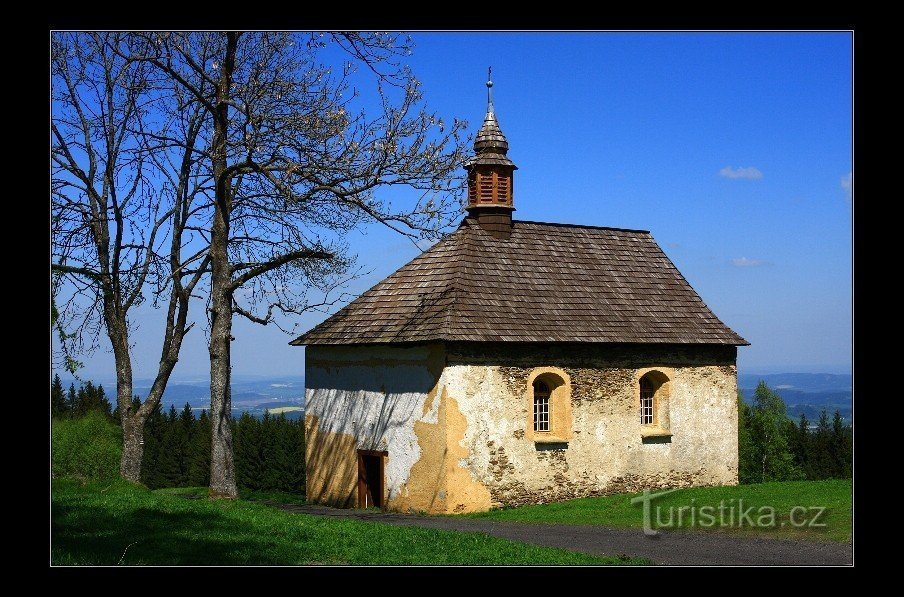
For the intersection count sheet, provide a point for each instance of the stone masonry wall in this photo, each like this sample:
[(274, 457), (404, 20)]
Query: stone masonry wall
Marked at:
[(605, 453)]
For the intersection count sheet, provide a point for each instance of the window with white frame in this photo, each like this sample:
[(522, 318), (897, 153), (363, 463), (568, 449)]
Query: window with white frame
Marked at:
[(541, 406), (647, 392)]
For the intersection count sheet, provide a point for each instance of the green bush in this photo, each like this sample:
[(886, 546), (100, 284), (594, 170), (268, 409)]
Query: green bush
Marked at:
[(86, 448)]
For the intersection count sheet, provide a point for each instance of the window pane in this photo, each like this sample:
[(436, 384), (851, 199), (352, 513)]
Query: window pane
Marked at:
[(541, 413), (646, 402)]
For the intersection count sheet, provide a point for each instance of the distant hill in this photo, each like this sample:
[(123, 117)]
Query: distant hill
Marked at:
[(803, 392), (800, 382), (252, 394), (806, 393)]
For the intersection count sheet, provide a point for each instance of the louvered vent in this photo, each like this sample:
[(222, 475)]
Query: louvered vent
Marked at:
[(490, 187), (503, 191)]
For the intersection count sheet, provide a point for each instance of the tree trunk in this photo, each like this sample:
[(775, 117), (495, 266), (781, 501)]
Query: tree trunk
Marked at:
[(222, 466), (132, 447), (132, 425)]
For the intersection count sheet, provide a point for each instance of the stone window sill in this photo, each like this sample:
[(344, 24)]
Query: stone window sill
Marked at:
[(654, 432), (549, 439)]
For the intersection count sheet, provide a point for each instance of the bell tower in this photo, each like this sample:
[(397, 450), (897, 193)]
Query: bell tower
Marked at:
[(490, 175)]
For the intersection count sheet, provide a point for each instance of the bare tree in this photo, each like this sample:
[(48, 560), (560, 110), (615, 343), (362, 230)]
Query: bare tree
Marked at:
[(295, 163), (125, 184)]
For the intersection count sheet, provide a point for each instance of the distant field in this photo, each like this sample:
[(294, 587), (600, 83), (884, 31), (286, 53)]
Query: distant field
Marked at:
[(120, 523), (617, 511), (807, 393)]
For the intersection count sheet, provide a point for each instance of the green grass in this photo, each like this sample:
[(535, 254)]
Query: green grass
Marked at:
[(279, 497), (617, 510), (120, 523)]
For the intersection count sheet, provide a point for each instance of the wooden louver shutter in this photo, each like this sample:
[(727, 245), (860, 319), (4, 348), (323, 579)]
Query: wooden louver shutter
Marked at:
[(486, 187)]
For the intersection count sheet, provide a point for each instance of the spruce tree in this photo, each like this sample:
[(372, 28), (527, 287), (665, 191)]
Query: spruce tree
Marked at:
[(169, 459), (185, 428), (823, 462), (748, 456), (155, 428), (71, 400), (802, 446), (199, 453), (248, 452), (277, 453), (841, 448), (101, 402), (82, 400), (58, 406)]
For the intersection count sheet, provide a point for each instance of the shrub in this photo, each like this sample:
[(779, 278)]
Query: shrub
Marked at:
[(88, 448)]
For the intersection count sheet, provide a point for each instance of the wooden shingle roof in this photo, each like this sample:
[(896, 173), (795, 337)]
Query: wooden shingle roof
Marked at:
[(546, 283)]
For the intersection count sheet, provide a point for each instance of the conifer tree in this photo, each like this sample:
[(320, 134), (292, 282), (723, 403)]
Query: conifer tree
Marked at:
[(169, 460), (248, 451), (71, 400), (58, 406), (81, 400), (184, 431), (840, 448), (199, 453), (801, 446), (747, 451), (100, 401), (155, 428), (278, 449), (823, 465)]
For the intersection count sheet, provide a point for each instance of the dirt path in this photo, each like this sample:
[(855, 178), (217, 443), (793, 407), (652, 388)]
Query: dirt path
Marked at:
[(675, 548)]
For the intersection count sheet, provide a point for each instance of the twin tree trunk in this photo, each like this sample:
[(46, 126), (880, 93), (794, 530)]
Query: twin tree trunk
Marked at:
[(222, 467)]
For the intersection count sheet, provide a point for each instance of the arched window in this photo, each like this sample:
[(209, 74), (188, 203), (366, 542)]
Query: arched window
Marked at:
[(548, 406), (647, 393), (653, 390), (541, 406)]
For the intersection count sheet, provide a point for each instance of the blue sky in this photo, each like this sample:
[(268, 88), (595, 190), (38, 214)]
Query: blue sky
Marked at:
[(733, 149)]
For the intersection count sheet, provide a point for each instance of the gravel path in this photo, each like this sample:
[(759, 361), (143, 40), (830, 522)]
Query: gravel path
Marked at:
[(673, 548)]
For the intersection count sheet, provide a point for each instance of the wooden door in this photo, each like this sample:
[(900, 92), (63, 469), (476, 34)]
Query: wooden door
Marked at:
[(370, 479)]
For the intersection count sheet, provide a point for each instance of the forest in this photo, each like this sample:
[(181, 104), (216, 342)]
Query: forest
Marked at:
[(773, 447), (269, 451)]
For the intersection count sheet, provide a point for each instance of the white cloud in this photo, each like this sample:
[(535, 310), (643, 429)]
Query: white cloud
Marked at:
[(744, 262), (425, 243), (749, 172), (847, 183)]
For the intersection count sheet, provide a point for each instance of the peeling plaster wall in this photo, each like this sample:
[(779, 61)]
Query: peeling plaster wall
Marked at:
[(605, 453), (455, 422), (368, 398)]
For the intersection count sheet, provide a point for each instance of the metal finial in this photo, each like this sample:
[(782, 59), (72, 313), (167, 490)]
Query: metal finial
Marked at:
[(490, 89)]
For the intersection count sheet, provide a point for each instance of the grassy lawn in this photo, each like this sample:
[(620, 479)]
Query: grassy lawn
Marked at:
[(118, 522), (245, 494), (617, 510)]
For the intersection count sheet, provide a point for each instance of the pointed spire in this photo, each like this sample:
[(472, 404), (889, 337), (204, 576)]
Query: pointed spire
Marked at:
[(490, 109), (489, 138), (490, 175)]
